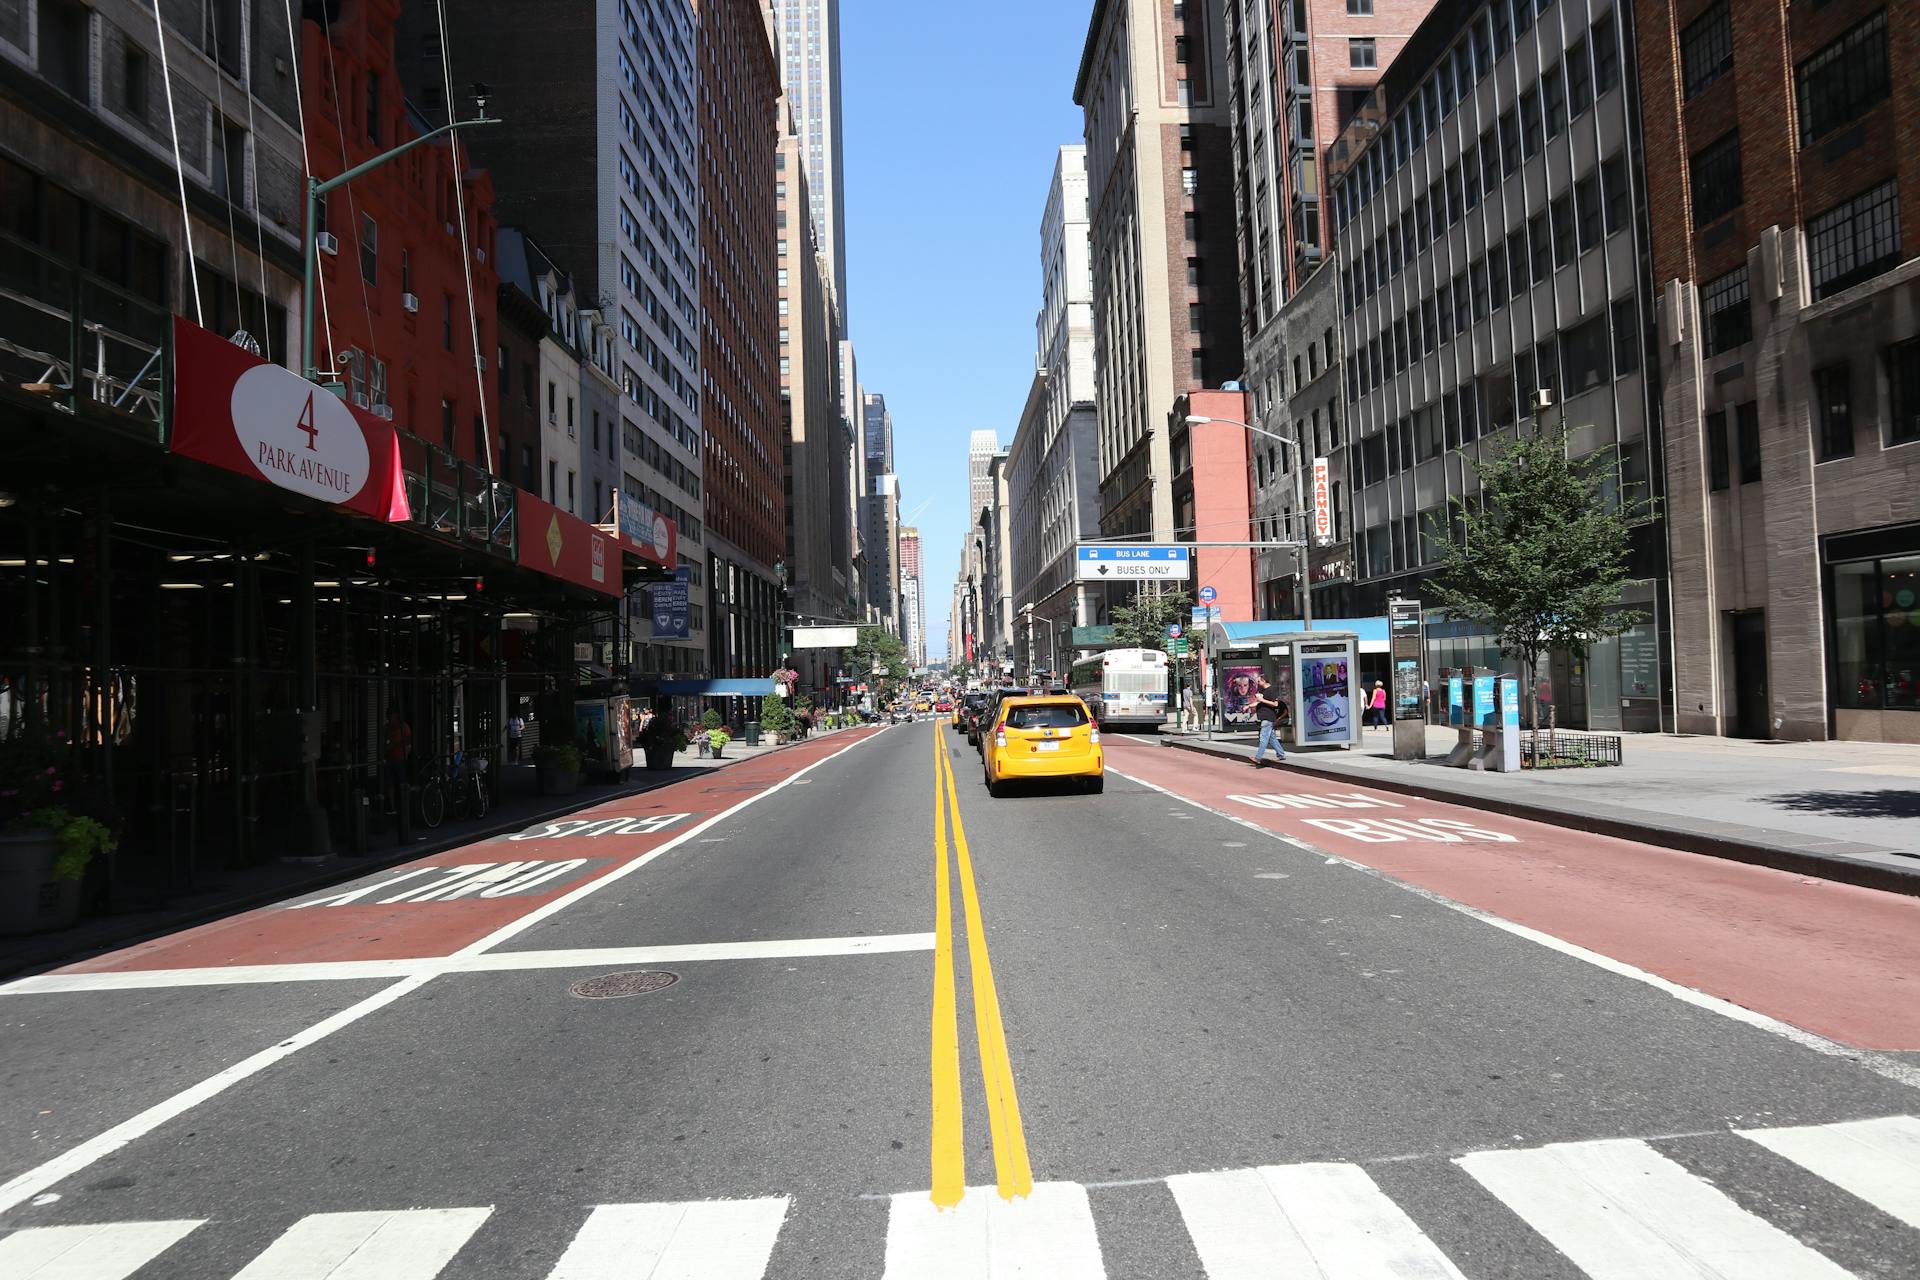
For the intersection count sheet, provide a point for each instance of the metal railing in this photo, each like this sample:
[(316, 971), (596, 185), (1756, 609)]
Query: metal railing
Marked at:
[(456, 500), (79, 338)]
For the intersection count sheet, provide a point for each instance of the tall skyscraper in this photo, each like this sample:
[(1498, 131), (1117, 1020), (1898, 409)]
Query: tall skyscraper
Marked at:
[(877, 435), (602, 169), (981, 447), (1166, 318), (810, 71), (739, 135)]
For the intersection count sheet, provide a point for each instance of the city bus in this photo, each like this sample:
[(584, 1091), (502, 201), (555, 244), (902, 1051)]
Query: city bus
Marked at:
[(1124, 687)]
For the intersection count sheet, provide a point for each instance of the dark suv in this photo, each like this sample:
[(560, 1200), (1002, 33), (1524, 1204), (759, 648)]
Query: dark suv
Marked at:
[(988, 713), (970, 708)]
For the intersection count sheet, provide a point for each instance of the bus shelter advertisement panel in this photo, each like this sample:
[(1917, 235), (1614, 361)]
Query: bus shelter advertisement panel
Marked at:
[(1239, 686), (1326, 697)]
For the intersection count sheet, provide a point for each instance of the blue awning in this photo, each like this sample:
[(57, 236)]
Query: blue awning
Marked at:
[(1249, 633), (761, 688)]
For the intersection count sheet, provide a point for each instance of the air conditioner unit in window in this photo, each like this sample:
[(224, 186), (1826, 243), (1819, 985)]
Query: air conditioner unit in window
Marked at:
[(326, 243), (480, 362), (361, 401), (383, 411), (410, 302), (553, 419)]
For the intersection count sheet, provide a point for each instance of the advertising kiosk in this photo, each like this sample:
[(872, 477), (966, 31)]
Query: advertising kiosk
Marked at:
[(603, 728), (1322, 688)]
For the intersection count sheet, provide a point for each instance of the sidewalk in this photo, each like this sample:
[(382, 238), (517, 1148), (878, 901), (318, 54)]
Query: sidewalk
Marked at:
[(1846, 811), (226, 891)]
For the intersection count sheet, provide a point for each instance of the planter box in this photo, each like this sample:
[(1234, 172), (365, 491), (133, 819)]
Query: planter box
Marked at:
[(32, 898), (659, 758), (557, 782)]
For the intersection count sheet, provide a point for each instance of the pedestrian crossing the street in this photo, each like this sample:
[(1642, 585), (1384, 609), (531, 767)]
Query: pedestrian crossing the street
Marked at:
[(1613, 1208)]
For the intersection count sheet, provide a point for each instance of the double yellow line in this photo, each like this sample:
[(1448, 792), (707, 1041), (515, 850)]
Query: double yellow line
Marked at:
[(1013, 1172)]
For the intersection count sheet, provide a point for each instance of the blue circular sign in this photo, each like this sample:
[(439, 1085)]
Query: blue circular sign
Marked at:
[(1208, 595), (1173, 632)]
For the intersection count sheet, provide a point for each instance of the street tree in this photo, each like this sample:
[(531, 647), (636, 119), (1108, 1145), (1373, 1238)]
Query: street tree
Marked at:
[(1143, 623), (876, 650), (1539, 559)]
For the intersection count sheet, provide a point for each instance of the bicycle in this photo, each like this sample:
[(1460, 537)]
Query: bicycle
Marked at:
[(457, 783)]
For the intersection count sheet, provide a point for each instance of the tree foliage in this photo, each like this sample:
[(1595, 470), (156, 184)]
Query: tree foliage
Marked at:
[(1540, 558), (1143, 623), (877, 648)]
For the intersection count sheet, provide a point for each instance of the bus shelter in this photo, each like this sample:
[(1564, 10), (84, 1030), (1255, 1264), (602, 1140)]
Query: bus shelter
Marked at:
[(1315, 674)]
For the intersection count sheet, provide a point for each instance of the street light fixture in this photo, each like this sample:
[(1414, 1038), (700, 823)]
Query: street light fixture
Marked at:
[(1299, 502), (317, 189)]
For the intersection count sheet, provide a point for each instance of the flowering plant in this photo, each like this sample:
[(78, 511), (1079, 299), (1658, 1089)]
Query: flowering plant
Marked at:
[(37, 793)]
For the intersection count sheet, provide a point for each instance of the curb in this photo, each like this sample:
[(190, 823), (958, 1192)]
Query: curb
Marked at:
[(348, 868), (1840, 869)]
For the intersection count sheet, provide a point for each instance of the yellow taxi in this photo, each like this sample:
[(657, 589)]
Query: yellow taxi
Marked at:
[(1043, 737)]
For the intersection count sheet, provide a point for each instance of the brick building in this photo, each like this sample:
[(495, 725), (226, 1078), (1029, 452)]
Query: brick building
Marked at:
[(400, 322), (1166, 318), (1783, 141), (738, 110)]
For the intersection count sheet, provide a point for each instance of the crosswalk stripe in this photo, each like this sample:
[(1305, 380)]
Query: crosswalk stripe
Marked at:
[(1305, 1220), (1047, 1235), (95, 1251), (412, 1244), (1619, 1210), (1876, 1160), (696, 1240)]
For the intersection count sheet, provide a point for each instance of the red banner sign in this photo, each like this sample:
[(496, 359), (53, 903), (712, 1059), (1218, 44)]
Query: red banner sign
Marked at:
[(1322, 502), (238, 412), (565, 546)]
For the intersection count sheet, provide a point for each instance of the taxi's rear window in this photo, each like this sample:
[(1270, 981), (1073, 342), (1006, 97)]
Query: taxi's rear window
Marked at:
[(1049, 715)]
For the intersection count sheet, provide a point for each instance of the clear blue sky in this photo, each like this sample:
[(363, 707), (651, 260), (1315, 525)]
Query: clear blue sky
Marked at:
[(952, 118)]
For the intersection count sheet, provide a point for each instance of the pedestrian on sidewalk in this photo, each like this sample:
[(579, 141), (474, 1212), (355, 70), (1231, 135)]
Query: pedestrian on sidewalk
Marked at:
[(393, 769), (516, 730), (1377, 706), (1267, 711)]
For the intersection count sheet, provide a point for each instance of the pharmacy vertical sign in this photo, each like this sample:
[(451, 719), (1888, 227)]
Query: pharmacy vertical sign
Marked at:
[(1322, 503)]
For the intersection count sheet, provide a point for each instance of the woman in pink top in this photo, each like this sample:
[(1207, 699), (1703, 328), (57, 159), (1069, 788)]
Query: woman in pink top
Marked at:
[(1377, 705)]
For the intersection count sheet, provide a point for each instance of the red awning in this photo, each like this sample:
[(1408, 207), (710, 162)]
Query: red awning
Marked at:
[(238, 412), (564, 546)]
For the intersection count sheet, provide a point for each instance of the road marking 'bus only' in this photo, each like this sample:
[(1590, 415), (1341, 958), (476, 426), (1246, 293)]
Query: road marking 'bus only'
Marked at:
[(1337, 800), (1398, 830), (603, 827), (474, 879)]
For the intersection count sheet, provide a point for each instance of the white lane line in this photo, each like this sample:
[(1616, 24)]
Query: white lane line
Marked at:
[(414, 1244), (1619, 1210), (1879, 1063), (1876, 1160), (491, 962), (104, 1251), (1048, 1234), (1306, 1220), (40, 1178), (699, 1240)]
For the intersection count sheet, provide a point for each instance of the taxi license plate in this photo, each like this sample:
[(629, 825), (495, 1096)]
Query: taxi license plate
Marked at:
[(1047, 746)]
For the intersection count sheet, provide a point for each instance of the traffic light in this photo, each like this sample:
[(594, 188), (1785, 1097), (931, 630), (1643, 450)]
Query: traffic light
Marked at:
[(370, 557)]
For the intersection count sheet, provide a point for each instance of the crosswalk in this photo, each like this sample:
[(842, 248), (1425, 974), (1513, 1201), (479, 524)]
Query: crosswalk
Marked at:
[(1615, 1209)]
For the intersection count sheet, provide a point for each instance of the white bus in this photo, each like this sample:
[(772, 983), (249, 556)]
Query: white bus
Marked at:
[(1124, 686)]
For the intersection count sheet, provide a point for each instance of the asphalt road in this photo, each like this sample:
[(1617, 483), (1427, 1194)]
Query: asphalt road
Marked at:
[(1169, 1041)]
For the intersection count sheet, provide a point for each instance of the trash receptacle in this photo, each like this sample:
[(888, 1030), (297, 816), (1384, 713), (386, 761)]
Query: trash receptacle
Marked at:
[(753, 733)]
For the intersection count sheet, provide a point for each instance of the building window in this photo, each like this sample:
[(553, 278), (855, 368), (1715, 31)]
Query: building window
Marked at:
[(1561, 212), (1833, 411), (1716, 179), (1179, 48), (1748, 418), (1626, 337), (1194, 274), (134, 91), (1200, 365), (373, 106), (1841, 81), (1530, 122), (1588, 355), (446, 321), (1553, 97), (1903, 380), (1613, 193), (1196, 317), (1857, 240), (1706, 49), (1876, 652), (1360, 8), (1586, 210), (369, 249), (1724, 302), (1606, 55), (446, 423), (64, 46), (1579, 79), (1360, 53), (1719, 473)]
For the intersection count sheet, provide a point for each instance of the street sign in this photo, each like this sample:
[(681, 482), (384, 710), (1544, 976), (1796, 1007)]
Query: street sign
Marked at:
[(1174, 632), (1208, 595), (1322, 502), (1180, 647), (1110, 564)]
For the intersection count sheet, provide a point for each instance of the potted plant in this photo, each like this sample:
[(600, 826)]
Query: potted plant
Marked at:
[(557, 767), (659, 740), (46, 839), (716, 739), (775, 719)]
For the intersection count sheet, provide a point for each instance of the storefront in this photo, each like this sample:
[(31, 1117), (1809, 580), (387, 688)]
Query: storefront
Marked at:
[(1873, 628)]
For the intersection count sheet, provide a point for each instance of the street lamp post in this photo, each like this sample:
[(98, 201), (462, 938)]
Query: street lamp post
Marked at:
[(1299, 504), (316, 190)]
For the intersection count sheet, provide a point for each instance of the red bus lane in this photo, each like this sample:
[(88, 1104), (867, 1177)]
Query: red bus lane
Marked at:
[(1834, 959), (436, 905)]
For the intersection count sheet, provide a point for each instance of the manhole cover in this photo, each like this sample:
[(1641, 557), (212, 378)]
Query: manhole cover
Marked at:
[(611, 986)]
